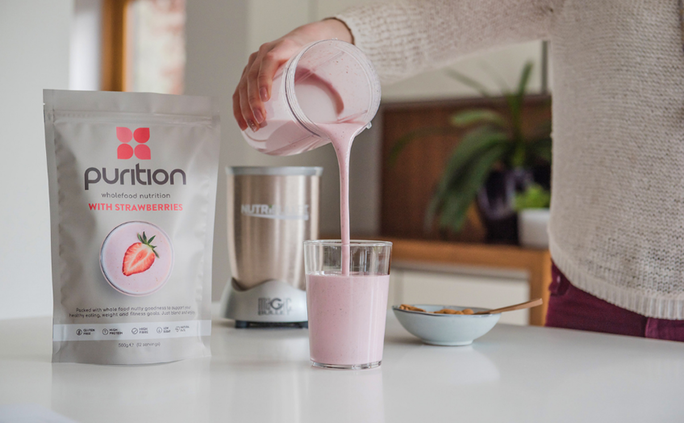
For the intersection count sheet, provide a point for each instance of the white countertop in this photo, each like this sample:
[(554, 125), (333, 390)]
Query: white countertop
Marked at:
[(512, 374)]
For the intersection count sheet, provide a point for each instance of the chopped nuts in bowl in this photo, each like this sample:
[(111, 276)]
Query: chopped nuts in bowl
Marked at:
[(445, 325), (408, 307)]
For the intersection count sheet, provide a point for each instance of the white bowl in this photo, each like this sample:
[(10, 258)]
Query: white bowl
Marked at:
[(446, 329)]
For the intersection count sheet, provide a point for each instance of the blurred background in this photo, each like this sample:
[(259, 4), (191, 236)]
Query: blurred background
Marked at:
[(200, 47)]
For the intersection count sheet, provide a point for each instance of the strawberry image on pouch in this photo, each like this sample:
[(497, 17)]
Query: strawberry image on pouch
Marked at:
[(140, 256), (134, 264)]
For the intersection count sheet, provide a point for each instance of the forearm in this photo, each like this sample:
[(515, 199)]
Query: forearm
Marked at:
[(324, 30), (403, 38)]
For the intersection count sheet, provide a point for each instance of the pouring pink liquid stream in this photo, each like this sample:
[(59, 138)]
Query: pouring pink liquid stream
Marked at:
[(347, 311), (323, 105)]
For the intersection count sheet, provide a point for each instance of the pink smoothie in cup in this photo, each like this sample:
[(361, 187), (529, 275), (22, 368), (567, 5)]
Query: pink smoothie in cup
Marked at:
[(347, 318), (143, 279)]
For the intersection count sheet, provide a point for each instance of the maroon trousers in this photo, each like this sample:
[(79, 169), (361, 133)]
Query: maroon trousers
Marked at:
[(572, 308)]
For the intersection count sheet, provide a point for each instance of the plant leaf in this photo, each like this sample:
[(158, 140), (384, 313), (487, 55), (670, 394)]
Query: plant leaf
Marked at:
[(515, 102), (503, 86), (520, 155), (524, 80), (541, 148), (451, 202), (514, 112), (471, 183), (474, 143), (474, 116), (452, 215)]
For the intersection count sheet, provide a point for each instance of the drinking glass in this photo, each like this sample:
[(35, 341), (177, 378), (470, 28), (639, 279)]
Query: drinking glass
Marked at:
[(347, 304)]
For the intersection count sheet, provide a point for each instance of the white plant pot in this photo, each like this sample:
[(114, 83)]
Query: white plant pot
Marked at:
[(533, 228)]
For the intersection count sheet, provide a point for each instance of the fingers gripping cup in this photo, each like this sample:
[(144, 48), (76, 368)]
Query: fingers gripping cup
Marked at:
[(347, 310), (327, 82)]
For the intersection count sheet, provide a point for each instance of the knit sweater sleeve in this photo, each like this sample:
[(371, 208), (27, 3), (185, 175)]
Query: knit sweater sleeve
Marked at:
[(406, 37)]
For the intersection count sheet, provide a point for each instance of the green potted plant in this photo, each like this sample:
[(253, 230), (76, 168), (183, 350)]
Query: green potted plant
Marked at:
[(494, 160)]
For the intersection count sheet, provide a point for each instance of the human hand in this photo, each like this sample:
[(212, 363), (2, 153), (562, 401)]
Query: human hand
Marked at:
[(256, 81)]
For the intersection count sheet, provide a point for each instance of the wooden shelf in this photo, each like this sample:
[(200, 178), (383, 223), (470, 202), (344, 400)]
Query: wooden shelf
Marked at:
[(536, 263)]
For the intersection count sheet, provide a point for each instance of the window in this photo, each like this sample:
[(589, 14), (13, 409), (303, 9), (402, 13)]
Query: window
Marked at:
[(143, 45)]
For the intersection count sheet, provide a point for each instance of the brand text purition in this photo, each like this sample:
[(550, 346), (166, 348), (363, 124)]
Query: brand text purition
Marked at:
[(93, 175)]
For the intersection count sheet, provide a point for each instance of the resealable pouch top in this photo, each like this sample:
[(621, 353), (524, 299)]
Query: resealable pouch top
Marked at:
[(132, 182)]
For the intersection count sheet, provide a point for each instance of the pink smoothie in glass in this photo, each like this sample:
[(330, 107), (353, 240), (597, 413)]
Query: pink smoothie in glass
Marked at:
[(346, 318), (113, 251)]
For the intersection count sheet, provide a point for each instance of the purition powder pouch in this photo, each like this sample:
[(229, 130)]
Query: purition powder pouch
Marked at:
[(132, 181)]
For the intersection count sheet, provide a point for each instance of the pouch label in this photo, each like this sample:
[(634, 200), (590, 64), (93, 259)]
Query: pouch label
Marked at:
[(131, 331)]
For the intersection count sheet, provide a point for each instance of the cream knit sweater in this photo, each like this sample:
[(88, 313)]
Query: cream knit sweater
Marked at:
[(617, 218)]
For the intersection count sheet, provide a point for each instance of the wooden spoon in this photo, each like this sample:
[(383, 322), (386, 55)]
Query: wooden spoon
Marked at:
[(526, 304)]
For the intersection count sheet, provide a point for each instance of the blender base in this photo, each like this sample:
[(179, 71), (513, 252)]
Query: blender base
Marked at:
[(272, 304), (241, 324)]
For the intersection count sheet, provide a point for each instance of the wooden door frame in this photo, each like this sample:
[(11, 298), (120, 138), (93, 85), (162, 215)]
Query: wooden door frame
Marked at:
[(114, 50)]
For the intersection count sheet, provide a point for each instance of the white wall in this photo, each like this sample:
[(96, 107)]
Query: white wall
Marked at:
[(34, 41), (86, 46)]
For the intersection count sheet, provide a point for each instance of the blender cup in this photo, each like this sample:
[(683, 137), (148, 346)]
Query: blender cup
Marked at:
[(328, 81)]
